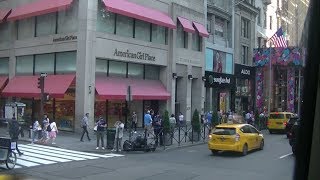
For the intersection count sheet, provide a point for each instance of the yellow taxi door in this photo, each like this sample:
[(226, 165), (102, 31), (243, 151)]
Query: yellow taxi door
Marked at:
[(248, 136), (256, 138)]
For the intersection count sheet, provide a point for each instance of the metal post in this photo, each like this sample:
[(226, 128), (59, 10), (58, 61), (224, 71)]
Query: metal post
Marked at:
[(117, 138), (270, 84), (299, 93), (179, 135)]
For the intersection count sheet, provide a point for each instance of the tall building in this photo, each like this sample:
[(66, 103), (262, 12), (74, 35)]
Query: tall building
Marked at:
[(93, 50)]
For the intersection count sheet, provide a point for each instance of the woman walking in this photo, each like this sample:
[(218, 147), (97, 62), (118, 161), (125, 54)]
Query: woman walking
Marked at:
[(53, 133)]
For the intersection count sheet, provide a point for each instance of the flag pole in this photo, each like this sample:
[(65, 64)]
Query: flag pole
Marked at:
[(270, 76)]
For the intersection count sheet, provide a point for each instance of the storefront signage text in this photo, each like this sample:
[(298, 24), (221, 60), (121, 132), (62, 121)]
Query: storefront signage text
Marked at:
[(222, 80), (136, 55), (242, 71), (245, 71), (66, 38)]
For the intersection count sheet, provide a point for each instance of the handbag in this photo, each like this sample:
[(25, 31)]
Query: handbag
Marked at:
[(95, 128)]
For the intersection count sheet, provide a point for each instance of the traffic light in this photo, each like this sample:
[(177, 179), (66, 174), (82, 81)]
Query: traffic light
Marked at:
[(41, 82)]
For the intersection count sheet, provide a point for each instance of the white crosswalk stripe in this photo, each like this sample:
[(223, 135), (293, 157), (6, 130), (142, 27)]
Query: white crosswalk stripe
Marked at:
[(35, 155)]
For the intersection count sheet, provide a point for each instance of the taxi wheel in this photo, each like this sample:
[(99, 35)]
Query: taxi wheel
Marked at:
[(271, 132), (261, 145), (214, 152), (245, 150)]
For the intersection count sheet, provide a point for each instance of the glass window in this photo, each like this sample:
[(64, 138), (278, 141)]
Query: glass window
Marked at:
[(270, 23), (244, 54), (24, 65), (196, 42), (101, 66), (46, 24), (142, 30), (159, 34), (224, 131), (4, 66), (229, 63), (245, 28), (44, 63), (66, 62), (276, 116), (181, 39), (135, 70), (259, 17), (219, 26), (124, 26), (105, 20), (4, 32), (26, 28), (68, 19), (209, 59), (152, 72), (117, 69)]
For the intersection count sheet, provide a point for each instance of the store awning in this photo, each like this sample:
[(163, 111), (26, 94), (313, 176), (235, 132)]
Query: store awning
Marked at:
[(4, 13), (136, 11), (27, 86), (114, 88), (3, 80), (186, 24), (37, 8), (201, 29)]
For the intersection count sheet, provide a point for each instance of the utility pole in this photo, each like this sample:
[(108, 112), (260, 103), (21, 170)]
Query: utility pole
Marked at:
[(41, 87), (129, 99)]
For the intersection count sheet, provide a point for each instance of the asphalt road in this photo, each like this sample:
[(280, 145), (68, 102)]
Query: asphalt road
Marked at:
[(274, 162)]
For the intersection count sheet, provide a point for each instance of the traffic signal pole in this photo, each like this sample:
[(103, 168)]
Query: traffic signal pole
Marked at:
[(41, 87)]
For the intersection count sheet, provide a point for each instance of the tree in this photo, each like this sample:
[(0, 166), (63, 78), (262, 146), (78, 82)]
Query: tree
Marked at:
[(166, 123), (196, 121)]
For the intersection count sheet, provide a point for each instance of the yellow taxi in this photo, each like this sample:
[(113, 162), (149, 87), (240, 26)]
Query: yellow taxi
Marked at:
[(277, 121), (235, 137)]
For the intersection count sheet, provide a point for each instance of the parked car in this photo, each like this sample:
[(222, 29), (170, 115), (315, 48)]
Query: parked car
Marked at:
[(293, 135), (277, 121), (289, 125), (235, 137)]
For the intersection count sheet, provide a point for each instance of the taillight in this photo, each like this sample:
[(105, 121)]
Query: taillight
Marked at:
[(268, 123), (285, 123), (237, 138)]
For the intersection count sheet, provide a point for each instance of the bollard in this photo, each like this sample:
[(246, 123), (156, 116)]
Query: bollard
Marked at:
[(117, 139)]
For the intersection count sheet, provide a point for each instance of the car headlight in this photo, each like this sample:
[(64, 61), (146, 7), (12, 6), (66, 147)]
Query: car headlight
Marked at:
[(210, 136)]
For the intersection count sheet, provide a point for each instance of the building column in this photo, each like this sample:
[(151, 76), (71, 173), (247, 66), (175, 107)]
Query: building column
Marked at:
[(85, 75)]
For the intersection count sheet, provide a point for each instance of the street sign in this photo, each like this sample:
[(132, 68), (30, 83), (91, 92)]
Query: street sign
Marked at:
[(43, 74), (129, 94)]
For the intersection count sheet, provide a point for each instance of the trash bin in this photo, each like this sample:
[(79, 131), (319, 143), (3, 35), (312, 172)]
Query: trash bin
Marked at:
[(111, 134)]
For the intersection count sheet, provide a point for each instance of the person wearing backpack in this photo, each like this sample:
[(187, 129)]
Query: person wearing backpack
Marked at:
[(14, 131), (84, 126)]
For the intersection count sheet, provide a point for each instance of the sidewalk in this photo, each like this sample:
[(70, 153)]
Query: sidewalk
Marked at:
[(71, 141)]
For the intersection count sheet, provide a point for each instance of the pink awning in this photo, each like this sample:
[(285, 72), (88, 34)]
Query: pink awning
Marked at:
[(114, 88), (37, 8), (187, 25), (136, 11), (4, 13), (201, 29), (3, 80), (27, 86)]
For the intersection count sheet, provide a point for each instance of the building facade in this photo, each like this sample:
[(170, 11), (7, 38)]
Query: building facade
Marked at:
[(93, 50)]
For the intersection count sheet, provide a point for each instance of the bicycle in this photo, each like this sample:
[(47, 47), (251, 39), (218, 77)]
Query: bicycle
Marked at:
[(7, 154)]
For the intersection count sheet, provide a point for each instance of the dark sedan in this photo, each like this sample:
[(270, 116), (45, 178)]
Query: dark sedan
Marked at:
[(289, 125)]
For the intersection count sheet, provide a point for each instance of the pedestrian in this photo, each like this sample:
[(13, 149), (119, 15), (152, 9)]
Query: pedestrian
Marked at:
[(181, 119), (172, 121), (134, 121), (45, 133), (209, 119), (84, 126), (147, 123), (53, 131), (158, 129), (36, 128), (101, 128), (119, 135), (14, 131)]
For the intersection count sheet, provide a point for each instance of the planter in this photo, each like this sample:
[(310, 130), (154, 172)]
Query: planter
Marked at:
[(167, 139), (195, 137)]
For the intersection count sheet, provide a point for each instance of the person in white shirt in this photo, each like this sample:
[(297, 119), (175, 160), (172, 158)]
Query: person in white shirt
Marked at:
[(53, 132), (119, 134), (181, 120)]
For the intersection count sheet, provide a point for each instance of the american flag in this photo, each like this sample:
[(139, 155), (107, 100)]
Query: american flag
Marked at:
[(278, 39)]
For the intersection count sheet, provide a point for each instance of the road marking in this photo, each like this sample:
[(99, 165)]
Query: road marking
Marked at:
[(281, 157), (36, 155)]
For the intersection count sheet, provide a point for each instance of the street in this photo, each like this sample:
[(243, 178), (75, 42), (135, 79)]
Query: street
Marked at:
[(195, 162)]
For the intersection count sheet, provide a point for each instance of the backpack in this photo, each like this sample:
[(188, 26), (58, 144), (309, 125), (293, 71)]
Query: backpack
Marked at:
[(49, 128)]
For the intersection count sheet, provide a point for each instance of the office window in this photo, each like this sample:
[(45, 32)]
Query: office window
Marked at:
[(265, 19), (182, 37), (117, 69), (245, 27), (25, 28), (135, 70), (24, 65), (159, 34), (259, 17), (4, 66), (270, 25), (101, 66), (219, 27), (196, 42), (229, 63), (244, 54), (124, 26), (209, 24), (142, 30), (4, 32), (105, 20), (68, 19), (44, 63), (46, 24), (152, 72), (66, 62)]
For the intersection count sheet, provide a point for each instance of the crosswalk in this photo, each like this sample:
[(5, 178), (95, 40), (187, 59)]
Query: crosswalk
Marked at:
[(35, 155)]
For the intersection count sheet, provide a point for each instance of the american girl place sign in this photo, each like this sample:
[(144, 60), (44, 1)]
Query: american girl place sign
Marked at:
[(134, 55)]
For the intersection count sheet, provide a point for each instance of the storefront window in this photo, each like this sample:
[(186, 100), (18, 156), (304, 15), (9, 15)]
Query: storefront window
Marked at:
[(25, 28), (46, 24), (100, 110), (24, 65), (105, 19), (4, 66), (65, 110), (196, 42), (124, 26), (68, 19), (142, 30), (117, 69), (135, 71), (4, 32), (182, 37), (66, 62), (209, 59), (102, 66), (116, 111), (229, 63), (159, 34), (152, 72), (25, 114), (44, 63), (218, 61)]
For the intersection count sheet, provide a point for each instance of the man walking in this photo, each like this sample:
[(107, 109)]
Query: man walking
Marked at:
[(147, 123), (14, 131), (84, 125)]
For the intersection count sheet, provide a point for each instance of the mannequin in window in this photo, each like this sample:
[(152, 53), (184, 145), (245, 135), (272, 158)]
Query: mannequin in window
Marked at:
[(219, 63)]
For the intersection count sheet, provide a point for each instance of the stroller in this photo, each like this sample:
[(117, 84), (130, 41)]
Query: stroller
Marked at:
[(139, 143)]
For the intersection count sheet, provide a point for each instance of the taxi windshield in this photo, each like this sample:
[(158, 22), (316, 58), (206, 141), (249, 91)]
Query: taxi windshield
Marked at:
[(224, 131), (276, 116)]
